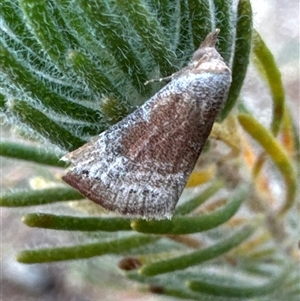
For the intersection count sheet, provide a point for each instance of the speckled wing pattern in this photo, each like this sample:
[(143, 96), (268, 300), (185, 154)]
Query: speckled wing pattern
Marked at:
[(139, 166)]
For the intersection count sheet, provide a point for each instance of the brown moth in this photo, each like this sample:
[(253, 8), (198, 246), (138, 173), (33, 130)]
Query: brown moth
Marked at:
[(140, 166)]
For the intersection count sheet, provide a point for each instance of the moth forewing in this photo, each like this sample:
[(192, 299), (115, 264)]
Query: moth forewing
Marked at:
[(139, 166)]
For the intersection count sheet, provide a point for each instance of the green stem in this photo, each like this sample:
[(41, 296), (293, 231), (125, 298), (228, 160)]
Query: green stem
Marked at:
[(200, 16), (151, 33), (72, 223), (241, 54), (38, 197), (239, 291), (277, 154), (30, 153), (111, 32), (114, 246), (193, 224), (45, 126), (45, 30), (194, 203), (22, 78), (223, 16), (195, 258), (266, 64)]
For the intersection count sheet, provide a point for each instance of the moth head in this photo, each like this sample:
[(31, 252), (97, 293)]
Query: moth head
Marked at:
[(207, 47)]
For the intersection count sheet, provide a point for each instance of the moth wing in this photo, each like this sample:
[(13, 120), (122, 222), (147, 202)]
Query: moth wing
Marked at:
[(140, 166)]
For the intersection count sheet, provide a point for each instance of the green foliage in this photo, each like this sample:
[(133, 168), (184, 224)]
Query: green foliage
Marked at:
[(69, 69)]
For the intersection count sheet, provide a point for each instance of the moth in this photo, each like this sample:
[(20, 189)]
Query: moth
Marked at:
[(140, 166)]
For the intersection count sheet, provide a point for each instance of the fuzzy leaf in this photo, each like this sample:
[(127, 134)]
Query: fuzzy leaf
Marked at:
[(113, 246), (39, 197)]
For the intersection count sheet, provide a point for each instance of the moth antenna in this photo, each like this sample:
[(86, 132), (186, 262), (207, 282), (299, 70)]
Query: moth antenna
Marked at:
[(158, 79)]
